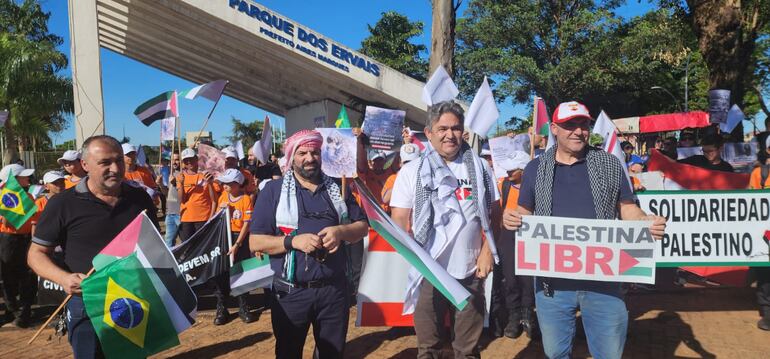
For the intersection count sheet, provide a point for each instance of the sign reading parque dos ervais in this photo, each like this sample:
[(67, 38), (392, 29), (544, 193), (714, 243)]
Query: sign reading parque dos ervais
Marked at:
[(589, 249), (283, 31), (712, 228)]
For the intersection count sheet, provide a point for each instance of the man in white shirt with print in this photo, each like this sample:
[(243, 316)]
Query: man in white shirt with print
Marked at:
[(448, 199)]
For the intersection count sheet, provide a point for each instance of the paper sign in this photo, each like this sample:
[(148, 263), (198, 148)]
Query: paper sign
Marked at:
[(383, 127), (503, 150), (167, 129), (587, 249), (712, 228), (210, 160), (338, 152)]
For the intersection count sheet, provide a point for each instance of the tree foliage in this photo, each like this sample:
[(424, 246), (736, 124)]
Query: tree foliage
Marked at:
[(247, 133), (37, 96), (578, 50), (389, 43)]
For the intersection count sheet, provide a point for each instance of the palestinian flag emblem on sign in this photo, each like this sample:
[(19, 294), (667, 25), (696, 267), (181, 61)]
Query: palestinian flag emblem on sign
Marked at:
[(636, 262)]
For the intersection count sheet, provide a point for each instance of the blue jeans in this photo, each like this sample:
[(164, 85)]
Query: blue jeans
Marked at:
[(80, 331), (172, 228), (605, 320)]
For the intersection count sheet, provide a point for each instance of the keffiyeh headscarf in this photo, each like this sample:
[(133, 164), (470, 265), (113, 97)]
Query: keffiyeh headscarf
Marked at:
[(310, 138)]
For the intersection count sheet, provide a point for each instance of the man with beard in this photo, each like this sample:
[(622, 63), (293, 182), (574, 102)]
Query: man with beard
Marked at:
[(304, 223), (83, 221)]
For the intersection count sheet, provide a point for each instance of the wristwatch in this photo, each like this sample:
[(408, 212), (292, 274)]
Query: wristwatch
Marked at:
[(287, 242)]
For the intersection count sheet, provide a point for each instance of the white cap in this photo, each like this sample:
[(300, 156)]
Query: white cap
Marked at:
[(69, 155), (515, 161), (128, 148), (16, 170), (569, 110), (409, 152), (231, 175), (188, 153), (52, 176), (375, 154), (229, 153)]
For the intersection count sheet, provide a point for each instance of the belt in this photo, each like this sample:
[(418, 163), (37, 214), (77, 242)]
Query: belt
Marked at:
[(310, 284)]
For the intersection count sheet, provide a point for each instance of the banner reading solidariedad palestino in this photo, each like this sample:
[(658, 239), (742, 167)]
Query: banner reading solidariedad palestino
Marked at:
[(712, 228)]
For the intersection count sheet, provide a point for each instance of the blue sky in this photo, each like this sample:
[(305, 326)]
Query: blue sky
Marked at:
[(127, 83)]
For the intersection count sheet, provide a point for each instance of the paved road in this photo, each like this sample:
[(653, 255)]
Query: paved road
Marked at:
[(686, 323)]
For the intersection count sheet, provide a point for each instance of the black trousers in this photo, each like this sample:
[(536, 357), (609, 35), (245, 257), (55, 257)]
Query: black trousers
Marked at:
[(355, 258), (19, 282), (295, 309), (510, 292), (187, 229), (222, 281), (763, 290)]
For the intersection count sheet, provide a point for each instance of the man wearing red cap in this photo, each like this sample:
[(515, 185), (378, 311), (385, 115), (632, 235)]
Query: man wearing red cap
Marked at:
[(304, 221), (574, 180)]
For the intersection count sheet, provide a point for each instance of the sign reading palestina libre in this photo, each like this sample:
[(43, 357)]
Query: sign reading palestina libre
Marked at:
[(712, 228), (285, 32), (586, 249)]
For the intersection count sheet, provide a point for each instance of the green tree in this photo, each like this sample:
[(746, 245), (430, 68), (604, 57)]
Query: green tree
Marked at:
[(247, 133), (389, 43), (37, 97), (575, 50), (727, 34)]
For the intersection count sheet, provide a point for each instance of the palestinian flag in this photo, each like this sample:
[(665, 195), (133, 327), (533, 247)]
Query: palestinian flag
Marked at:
[(696, 178), (342, 119), (212, 91), (142, 238), (250, 274), (412, 252), (541, 117), (158, 108), (15, 205), (637, 262), (127, 310)]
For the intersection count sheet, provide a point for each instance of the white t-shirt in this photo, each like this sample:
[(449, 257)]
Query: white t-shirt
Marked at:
[(459, 259)]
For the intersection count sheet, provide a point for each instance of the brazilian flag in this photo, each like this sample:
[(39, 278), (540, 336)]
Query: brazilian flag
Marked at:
[(15, 205), (342, 119), (126, 311)]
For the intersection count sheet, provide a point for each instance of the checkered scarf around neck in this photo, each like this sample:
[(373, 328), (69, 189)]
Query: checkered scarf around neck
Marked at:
[(287, 213), (604, 175), (437, 215)]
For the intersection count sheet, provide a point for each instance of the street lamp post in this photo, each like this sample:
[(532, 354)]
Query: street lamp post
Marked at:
[(669, 93), (687, 83)]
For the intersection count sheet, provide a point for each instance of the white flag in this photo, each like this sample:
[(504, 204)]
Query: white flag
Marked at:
[(483, 112), (734, 117), (238, 146), (439, 88), (606, 128), (262, 147)]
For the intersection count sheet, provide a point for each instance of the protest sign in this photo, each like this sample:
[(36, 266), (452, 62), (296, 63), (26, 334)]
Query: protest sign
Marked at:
[(49, 292), (210, 160), (383, 127), (204, 255), (421, 140), (588, 249), (711, 228), (167, 129), (505, 150), (719, 105), (338, 152)]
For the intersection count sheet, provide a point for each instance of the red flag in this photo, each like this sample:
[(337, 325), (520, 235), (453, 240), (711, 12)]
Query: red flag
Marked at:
[(696, 178)]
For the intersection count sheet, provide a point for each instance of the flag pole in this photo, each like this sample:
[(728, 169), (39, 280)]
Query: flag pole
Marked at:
[(344, 186), (533, 131), (209, 116), (55, 312)]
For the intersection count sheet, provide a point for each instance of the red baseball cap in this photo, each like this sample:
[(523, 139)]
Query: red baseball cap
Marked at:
[(570, 110)]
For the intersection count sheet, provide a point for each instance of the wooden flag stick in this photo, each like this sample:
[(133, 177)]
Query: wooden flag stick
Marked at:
[(533, 131), (55, 312), (344, 186)]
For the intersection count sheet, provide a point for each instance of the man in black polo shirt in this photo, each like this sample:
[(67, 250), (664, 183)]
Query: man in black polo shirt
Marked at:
[(303, 225), (574, 180), (83, 220)]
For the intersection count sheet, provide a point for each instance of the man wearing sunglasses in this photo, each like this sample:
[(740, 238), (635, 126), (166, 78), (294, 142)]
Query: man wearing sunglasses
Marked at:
[(572, 179), (304, 218)]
